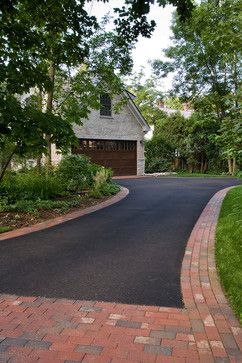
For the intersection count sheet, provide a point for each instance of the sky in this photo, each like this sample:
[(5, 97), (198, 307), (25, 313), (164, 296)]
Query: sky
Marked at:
[(146, 49)]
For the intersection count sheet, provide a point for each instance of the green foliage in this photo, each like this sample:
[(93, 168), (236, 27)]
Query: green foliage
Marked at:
[(201, 148), (30, 186), (105, 189), (228, 248), (172, 128), (229, 137), (109, 189), (35, 205), (206, 60), (102, 183), (202, 175), (158, 155), (181, 143), (23, 130), (173, 103), (28, 190), (102, 177), (146, 97), (5, 229), (76, 172)]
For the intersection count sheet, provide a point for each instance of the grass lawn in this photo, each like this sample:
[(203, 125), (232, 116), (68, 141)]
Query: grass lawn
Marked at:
[(229, 248), (197, 175)]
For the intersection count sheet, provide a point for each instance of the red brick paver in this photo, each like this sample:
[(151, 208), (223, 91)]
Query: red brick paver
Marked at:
[(35, 329)]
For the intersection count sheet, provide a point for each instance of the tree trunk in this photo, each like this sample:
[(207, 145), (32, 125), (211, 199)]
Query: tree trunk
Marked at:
[(190, 168), (38, 164), (49, 108), (7, 164), (233, 165), (205, 167), (201, 165), (230, 166), (40, 107), (235, 79), (176, 163)]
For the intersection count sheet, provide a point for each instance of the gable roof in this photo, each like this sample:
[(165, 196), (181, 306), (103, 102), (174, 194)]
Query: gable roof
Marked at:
[(136, 112)]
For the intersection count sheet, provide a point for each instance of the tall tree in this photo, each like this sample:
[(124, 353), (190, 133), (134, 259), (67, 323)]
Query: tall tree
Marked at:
[(206, 58), (147, 97), (38, 40)]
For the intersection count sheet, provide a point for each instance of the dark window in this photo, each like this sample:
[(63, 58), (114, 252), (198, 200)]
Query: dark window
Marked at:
[(106, 105)]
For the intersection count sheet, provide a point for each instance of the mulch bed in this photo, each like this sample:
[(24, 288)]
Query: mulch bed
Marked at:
[(17, 219)]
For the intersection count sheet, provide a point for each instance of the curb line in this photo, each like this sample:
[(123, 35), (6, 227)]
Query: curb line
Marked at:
[(202, 292), (67, 217)]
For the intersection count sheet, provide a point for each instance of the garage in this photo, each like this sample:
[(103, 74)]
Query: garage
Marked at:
[(119, 155)]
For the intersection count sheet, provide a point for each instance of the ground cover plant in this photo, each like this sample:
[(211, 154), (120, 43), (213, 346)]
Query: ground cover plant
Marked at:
[(229, 248), (30, 196), (203, 175)]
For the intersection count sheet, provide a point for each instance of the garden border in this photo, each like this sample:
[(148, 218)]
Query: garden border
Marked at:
[(67, 217)]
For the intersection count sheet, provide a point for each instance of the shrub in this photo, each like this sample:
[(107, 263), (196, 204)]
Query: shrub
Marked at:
[(109, 189), (32, 206), (5, 229), (76, 172), (158, 155), (30, 186), (102, 177)]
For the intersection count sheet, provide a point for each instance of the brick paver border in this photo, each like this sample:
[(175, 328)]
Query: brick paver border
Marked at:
[(67, 217), (36, 329)]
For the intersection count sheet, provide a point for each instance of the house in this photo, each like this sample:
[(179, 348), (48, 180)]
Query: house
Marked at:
[(186, 111), (114, 140)]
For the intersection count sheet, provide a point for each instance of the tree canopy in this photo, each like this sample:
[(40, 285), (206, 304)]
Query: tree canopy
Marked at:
[(205, 57)]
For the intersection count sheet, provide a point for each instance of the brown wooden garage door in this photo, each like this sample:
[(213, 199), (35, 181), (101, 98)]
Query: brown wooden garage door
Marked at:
[(119, 155)]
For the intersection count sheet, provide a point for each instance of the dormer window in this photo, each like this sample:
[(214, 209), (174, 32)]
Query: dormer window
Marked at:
[(106, 105)]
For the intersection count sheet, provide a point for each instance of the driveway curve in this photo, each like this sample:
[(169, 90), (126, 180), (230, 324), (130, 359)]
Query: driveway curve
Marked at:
[(130, 252)]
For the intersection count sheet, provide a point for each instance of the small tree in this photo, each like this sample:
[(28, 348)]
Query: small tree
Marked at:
[(23, 128)]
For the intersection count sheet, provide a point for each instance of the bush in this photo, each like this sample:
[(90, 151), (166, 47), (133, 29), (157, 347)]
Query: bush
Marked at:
[(102, 177), (76, 172), (30, 186), (5, 229), (32, 206), (105, 190), (109, 189), (158, 155)]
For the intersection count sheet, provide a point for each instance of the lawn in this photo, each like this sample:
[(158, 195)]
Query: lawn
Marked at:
[(229, 248), (200, 175)]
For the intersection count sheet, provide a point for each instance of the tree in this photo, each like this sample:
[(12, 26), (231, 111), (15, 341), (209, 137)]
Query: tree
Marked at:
[(200, 137), (76, 91), (206, 58), (24, 128), (58, 32), (229, 139), (41, 40), (159, 155), (147, 97)]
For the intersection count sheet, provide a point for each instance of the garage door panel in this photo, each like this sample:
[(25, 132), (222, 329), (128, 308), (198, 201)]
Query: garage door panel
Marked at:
[(119, 155)]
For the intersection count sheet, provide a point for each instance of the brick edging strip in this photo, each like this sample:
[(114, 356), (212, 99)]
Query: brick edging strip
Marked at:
[(205, 302), (67, 217)]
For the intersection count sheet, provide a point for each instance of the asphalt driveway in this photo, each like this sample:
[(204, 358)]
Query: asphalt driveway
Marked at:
[(130, 252)]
